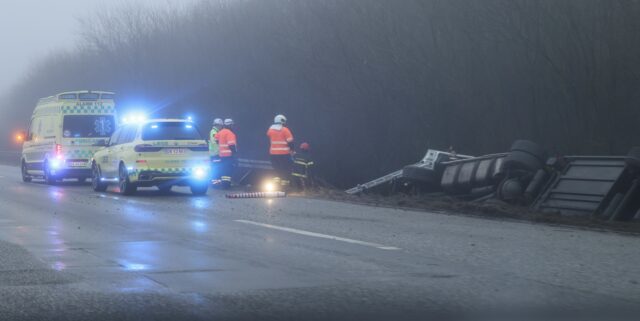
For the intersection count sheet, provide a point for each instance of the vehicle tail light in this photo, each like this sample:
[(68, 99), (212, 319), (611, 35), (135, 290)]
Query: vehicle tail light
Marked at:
[(146, 148), (58, 151), (141, 161)]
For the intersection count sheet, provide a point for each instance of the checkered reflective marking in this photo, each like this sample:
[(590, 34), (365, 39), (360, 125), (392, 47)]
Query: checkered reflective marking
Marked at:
[(80, 154), (88, 109), (169, 170)]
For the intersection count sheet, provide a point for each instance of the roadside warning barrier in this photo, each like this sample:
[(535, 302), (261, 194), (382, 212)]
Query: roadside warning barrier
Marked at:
[(258, 195)]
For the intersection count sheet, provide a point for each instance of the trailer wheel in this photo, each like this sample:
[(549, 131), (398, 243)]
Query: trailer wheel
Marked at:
[(526, 155), (530, 148)]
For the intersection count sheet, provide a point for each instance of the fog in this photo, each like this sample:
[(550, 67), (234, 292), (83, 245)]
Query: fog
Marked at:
[(371, 84), (31, 29)]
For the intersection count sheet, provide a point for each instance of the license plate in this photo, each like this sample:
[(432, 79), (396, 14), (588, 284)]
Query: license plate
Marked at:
[(174, 151), (78, 164)]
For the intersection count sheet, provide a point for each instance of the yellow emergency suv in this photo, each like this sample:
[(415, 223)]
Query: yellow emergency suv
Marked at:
[(64, 133), (161, 152)]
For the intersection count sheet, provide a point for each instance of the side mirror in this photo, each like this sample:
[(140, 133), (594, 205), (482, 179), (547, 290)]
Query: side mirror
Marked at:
[(102, 142)]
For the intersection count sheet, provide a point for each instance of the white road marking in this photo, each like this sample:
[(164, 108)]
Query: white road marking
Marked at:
[(116, 198), (323, 236)]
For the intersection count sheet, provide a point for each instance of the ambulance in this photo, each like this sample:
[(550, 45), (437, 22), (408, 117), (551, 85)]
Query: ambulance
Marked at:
[(65, 131)]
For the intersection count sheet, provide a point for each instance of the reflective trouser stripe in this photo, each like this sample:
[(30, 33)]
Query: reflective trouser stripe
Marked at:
[(225, 178), (299, 175)]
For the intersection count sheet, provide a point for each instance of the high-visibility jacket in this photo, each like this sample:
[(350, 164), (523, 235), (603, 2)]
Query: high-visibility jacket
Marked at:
[(226, 138), (214, 149), (280, 137)]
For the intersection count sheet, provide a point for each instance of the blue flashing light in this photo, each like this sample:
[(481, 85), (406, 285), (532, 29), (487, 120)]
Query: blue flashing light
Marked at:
[(200, 173), (134, 118)]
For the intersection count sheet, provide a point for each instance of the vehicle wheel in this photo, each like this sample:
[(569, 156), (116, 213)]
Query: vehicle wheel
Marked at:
[(48, 177), (199, 189), (530, 148), (522, 160), (510, 190), (165, 188), (25, 175), (96, 181), (126, 187)]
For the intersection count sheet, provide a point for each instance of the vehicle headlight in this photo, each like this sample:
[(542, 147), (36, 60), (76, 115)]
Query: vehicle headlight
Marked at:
[(269, 187), (55, 163), (200, 172)]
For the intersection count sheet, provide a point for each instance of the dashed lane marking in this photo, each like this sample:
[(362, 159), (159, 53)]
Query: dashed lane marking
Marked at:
[(319, 235)]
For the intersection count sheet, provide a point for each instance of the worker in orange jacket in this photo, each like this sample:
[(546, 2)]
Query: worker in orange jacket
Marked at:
[(228, 151), (281, 149)]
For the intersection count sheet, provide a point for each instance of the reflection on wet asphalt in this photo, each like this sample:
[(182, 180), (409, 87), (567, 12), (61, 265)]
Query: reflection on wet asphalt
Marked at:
[(195, 257)]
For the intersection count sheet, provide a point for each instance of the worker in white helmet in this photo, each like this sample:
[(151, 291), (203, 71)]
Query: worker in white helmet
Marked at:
[(281, 149), (227, 141), (214, 149)]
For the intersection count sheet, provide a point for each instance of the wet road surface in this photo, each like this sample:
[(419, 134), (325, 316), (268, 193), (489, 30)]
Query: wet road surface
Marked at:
[(70, 253)]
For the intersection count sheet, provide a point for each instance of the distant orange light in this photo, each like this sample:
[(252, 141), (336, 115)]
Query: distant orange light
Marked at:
[(19, 138)]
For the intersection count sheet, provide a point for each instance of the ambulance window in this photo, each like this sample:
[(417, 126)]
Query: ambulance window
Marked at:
[(34, 132), (88, 126), (128, 135), (170, 131), (114, 138), (89, 96), (107, 96), (68, 96)]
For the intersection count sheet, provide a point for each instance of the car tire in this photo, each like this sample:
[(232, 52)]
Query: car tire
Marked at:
[(49, 179), (96, 180), (25, 175), (199, 189), (126, 187)]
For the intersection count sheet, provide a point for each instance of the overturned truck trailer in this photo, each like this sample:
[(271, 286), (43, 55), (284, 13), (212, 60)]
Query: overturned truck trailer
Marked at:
[(607, 187)]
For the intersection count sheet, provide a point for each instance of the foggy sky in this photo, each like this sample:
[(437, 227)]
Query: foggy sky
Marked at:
[(30, 29)]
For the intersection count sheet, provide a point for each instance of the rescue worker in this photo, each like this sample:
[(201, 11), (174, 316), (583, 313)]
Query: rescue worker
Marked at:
[(302, 163), (227, 142), (214, 149), (281, 149)]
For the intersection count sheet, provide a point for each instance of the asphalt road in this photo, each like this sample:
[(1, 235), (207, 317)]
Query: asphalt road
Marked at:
[(67, 252)]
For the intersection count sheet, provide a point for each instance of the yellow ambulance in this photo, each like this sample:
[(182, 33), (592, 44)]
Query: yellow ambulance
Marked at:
[(65, 131)]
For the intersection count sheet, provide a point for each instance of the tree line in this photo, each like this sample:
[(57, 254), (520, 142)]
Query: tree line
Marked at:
[(370, 84)]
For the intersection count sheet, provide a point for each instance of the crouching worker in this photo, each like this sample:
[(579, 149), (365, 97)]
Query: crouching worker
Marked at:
[(302, 164)]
